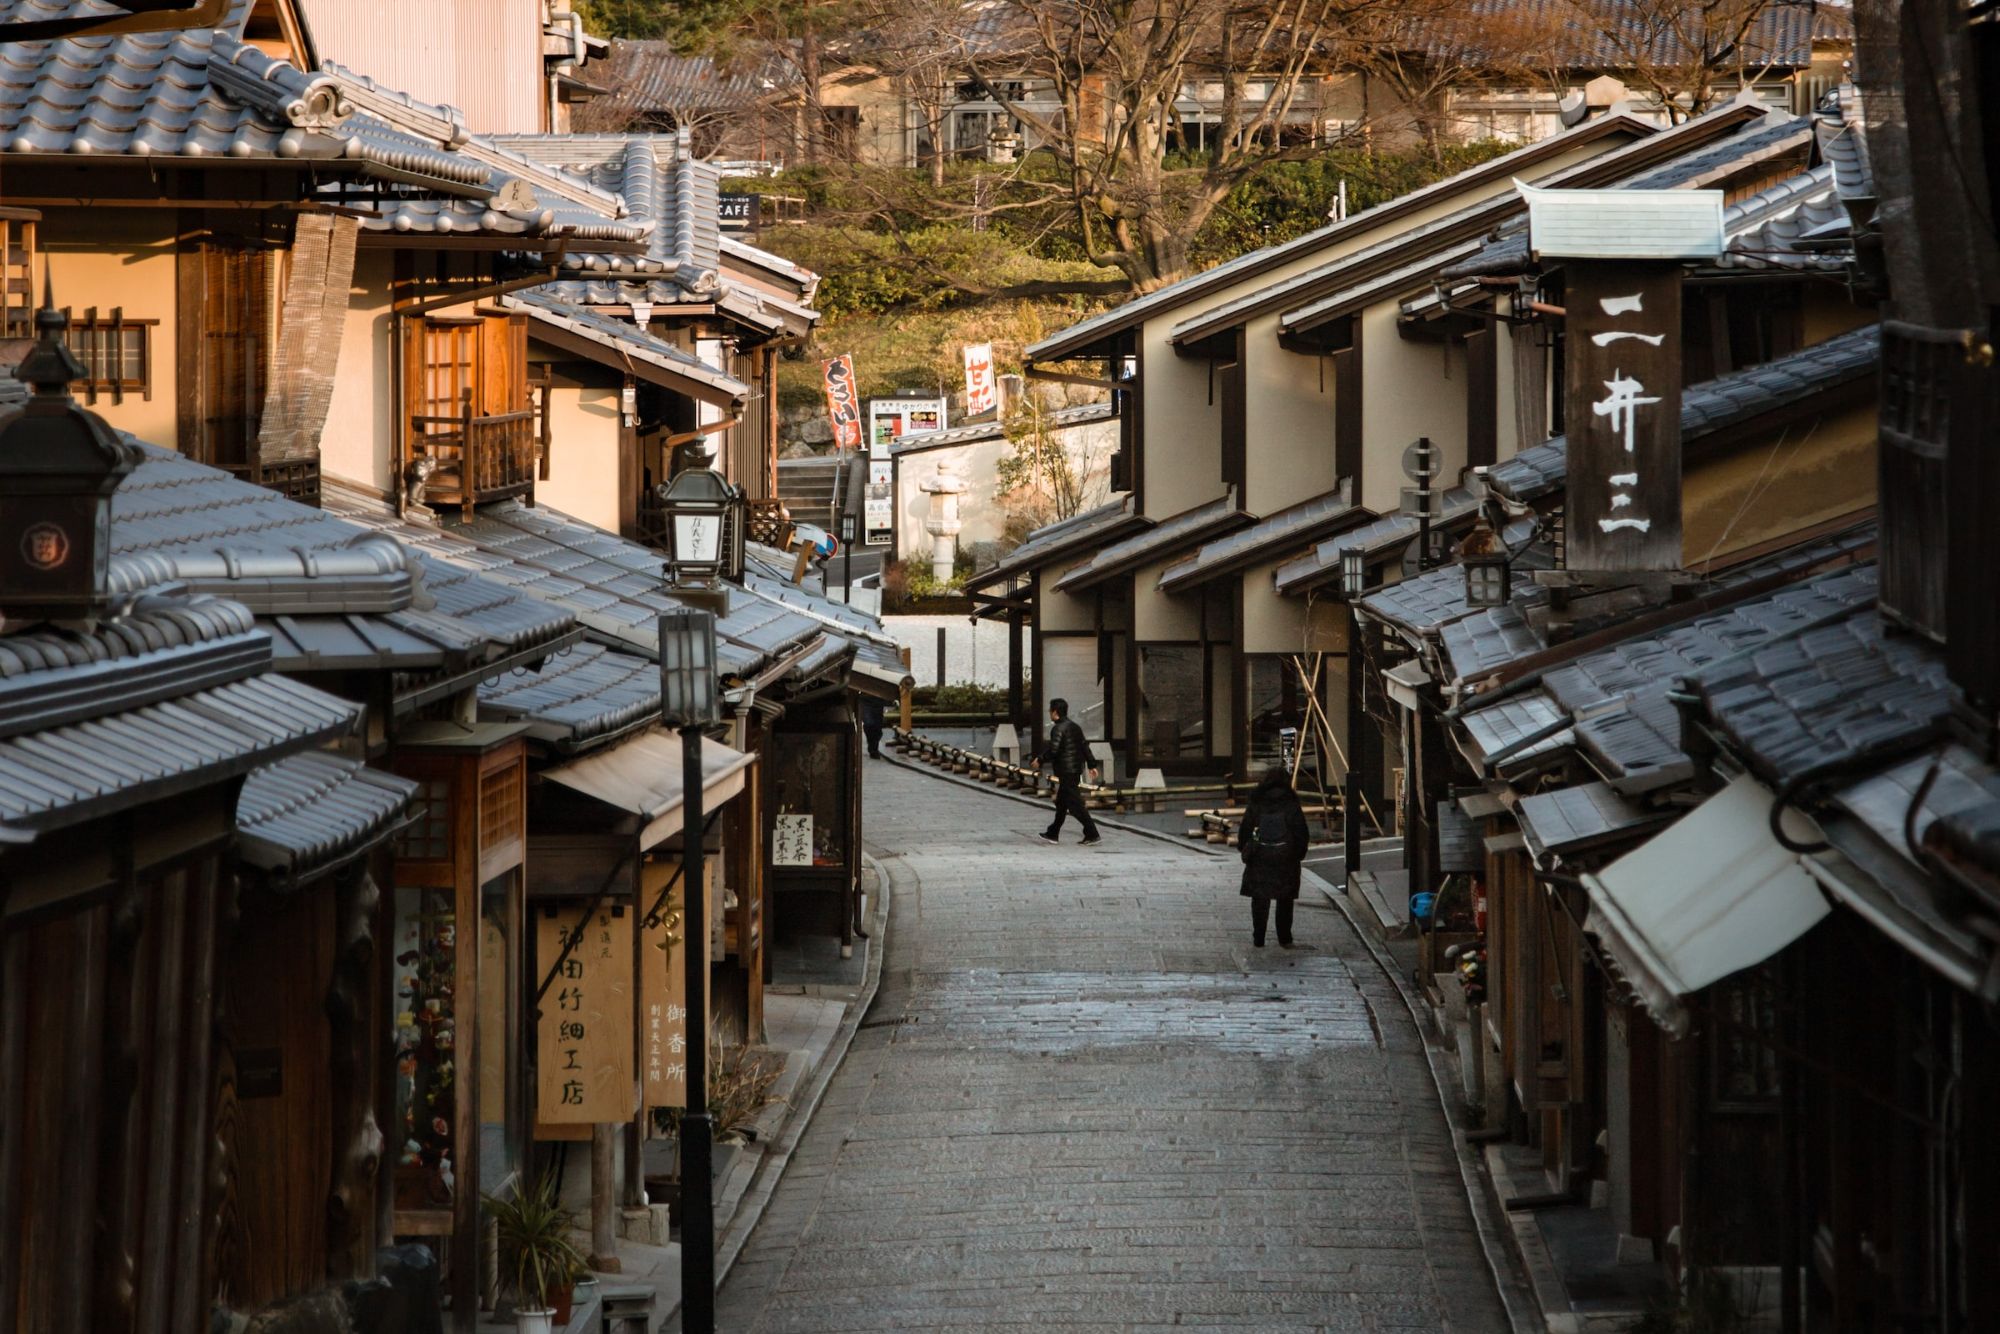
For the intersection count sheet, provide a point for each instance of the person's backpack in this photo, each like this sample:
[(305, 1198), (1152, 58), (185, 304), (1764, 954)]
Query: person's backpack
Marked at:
[(1271, 836)]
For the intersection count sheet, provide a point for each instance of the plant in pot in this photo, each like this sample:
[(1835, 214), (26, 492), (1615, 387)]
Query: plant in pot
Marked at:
[(538, 1261)]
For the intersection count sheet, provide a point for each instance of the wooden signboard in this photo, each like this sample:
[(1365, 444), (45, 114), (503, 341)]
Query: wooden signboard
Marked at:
[(1622, 505), (792, 840), (663, 1031), (584, 1040)]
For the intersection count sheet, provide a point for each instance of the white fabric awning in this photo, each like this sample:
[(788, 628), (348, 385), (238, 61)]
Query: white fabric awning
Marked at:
[(1712, 895), (643, 776)]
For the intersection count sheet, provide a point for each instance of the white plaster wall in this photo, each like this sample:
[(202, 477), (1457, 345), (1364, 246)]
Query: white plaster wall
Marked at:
[(356, 442), (982, 509), (974, 651), (1409, 389)]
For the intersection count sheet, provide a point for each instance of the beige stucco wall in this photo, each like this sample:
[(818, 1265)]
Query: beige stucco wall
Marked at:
[(1409, 389), (356, 442), (1826, 470), (1288, 412), (1156, 616), (1063, 611), (121, 258), (1182, 427), (1271, 623), (583, 455), (883, 139)]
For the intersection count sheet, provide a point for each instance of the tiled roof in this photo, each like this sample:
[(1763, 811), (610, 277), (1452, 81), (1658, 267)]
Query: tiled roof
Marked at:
[(1302, 523), (173, 512), (1376, 539), (651, 78), (1169, 537), (1572, 820), (1714, 404), (1622, 35), (1518, 730), (622, 339), (660, 182), (1061, 419), (1825, 694), (1764, 231), (1423, 603), (584, 696), (1079, 336), (193, 95), (308, 813), (1065, 537), (67, 774)]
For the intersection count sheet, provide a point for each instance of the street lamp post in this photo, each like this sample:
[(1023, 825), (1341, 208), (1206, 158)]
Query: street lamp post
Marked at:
[(1353, 585), (688, 703)]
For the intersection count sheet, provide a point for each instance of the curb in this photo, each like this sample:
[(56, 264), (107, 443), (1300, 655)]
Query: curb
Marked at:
[(1478, 1194), (1040, 803)]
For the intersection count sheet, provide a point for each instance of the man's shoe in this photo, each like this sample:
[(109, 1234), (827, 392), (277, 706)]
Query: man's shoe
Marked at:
[(1090, 839), (1047, 837), (1258, 941)]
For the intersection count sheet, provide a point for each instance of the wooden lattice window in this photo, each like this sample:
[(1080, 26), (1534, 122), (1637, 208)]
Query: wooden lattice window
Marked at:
[(499, 807), (116, 352), (427, 838), (1745, 1073), (17, 273)]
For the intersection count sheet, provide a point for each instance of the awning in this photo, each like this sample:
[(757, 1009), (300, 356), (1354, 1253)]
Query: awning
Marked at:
[(307, 814), (1404, 680), (1712, 895), (643, 776)]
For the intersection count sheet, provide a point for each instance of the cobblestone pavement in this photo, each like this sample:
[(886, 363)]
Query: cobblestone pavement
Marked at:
[(1082, 1100)]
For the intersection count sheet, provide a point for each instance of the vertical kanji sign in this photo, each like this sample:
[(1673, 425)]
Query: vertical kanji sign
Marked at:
[(843, 404), (583, 1040), (981, 394), (663, 1019), (1622, 505)]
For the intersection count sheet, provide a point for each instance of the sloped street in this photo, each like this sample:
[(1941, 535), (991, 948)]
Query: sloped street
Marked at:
[(1082, 1099)]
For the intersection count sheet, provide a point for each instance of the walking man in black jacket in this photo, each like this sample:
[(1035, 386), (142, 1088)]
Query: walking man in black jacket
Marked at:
[(1068, 752)]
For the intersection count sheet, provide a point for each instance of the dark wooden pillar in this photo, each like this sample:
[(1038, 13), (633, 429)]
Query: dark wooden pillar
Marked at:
[(1015, 702), (356, 1029)]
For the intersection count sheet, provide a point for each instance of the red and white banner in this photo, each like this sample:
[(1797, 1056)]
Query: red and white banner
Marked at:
[(843, 405), (981, 395)]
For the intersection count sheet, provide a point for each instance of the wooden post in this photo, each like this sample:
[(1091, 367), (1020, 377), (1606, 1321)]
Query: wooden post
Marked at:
[(603, 1201), (940, 658), (1015, 703)]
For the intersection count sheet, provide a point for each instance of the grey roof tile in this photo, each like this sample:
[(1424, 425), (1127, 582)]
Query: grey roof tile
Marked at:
[(1714, 404), (587, 695), (1588, 817), (621, 337), (1308, 521), (1423, 603), (1377, 538), (1166, 538), (1064, 538), (307, 813)]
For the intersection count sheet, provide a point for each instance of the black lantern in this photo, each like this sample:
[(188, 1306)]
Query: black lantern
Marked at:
[(700, 507), (1488, 580), (1353, 572), (688, 672), (59, 464)]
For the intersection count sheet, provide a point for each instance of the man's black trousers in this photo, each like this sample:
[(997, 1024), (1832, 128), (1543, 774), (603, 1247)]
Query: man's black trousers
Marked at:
[(1069, 801)]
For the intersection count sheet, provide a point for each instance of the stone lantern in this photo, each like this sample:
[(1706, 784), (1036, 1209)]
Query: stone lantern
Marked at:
[(943, 524), (59, 464)]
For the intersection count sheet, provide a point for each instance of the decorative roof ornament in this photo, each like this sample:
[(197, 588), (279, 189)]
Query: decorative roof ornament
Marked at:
[(59, 464)]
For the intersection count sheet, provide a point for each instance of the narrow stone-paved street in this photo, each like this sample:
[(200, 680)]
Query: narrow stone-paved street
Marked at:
[(1082, 1099)]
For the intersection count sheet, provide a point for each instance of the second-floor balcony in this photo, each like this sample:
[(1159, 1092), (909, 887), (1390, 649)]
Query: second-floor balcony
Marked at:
[(468, 459)]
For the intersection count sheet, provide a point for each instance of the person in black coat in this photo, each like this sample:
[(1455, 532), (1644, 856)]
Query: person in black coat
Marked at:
[(1273, 842), (871, 725)]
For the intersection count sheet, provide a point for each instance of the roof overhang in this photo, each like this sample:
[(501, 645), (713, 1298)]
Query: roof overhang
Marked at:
[(642, 777)]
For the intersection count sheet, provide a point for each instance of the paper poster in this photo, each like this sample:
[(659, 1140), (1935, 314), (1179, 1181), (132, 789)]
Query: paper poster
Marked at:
[(584, 1040), (792, 841), (879, 503), (843, 405), (981, 395)]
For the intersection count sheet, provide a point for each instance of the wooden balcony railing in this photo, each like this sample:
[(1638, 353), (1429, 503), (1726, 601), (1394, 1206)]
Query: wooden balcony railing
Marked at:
[(479, 459)]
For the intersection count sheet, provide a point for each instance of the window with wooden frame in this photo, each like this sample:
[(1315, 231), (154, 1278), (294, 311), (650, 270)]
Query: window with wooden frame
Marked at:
[(17, 272), (116, 352)]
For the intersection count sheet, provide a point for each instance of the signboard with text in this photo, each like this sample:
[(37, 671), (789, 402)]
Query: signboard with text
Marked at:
[(1623, 411), (981, 394), (584, 1040), (879, 504), (843, 404), (792, 841), (736, 213), (890, 419), (663, 1013)]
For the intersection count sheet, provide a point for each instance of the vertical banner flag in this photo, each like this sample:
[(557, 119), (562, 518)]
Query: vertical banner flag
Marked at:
[(584, 1043), (981, 395), (843, 405)]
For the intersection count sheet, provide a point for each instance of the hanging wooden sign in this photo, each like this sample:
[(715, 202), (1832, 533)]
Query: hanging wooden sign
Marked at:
[(584, 1041), (664, 1030), (1622, 501)]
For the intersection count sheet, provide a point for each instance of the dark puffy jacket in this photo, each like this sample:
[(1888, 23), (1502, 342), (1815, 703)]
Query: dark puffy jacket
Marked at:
[(1068, 750), (1273, 871)]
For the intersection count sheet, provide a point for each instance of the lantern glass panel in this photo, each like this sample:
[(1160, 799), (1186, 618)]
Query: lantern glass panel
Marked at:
[(1486, 581), (697, 539), (1353, 572), (688, 686)]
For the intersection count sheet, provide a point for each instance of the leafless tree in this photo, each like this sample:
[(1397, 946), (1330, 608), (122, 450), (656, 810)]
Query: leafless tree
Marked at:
[(1689, 54), (1426, 52), (1119, 68)]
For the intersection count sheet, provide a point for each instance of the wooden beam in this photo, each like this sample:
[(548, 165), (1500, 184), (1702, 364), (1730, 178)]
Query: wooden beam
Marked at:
[(1067, 377)]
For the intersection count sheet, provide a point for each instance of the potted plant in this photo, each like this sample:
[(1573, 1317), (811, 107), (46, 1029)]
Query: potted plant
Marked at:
[(538, 1260)]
